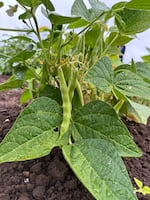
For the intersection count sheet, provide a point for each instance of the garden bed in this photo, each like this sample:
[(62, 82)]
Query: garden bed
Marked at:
[(50, 178)]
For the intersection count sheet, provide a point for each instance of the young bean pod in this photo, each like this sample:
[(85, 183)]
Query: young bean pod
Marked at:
[(67, 107), (72, 83)]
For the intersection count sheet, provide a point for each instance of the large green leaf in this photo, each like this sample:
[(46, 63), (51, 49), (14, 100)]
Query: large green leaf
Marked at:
[(131, 84), (126, 82), (101, 75), (99, 167), (98, 6), (143, 70), (132, 21), (79, 9), (139, 4), (34, 133), (98, 120)]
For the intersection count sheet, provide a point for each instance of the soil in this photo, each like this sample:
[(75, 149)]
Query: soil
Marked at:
[(50, 178)]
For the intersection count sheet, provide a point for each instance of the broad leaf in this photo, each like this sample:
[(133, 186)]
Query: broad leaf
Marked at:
[(139, 112), (22, 56), (48, 4), (59, 19), (119, 41), (11, 84), (98, 6), (143, 70), (131, 85), (139, 4), (78, 24), (101, 75), (126, 82), (131, 21), (51, 92), (98, 120), (79, 9), (29, 3), (34, 133), (99, 167)]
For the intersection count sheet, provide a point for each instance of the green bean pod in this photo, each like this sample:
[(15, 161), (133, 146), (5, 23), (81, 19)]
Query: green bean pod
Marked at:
[(72, 83), (67, 107)]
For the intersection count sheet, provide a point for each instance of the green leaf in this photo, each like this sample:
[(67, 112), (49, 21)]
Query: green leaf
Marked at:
[(1, 4), (29, 3), (79, 9), (48, 4), (140, 112), (26, 15), (22, 56), (119, 41), (98, 6), (143, 70), (26, 96), (99, 120), (126, 82), (33, 134), (138, 183), (11, 84), (146, 58), (51, 92), (101, 75), (135, 21), (21, 37), (99, 167), (78, 24), (59, 19), (139, 4), (146, 190), (131, 85)]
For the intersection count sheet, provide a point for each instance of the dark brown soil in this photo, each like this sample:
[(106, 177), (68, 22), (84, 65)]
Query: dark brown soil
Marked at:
[(50, 178)]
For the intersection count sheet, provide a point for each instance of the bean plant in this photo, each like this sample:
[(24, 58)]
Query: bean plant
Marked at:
[(79, 89)]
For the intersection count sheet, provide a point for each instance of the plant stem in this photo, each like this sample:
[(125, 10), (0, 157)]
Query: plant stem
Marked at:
[(88, 26), (16, 30)]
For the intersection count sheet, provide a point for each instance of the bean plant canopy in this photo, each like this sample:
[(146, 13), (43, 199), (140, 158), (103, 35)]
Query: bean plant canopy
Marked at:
[(77, 89)]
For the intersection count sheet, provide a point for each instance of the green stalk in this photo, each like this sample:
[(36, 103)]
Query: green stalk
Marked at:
[(16, 30)]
